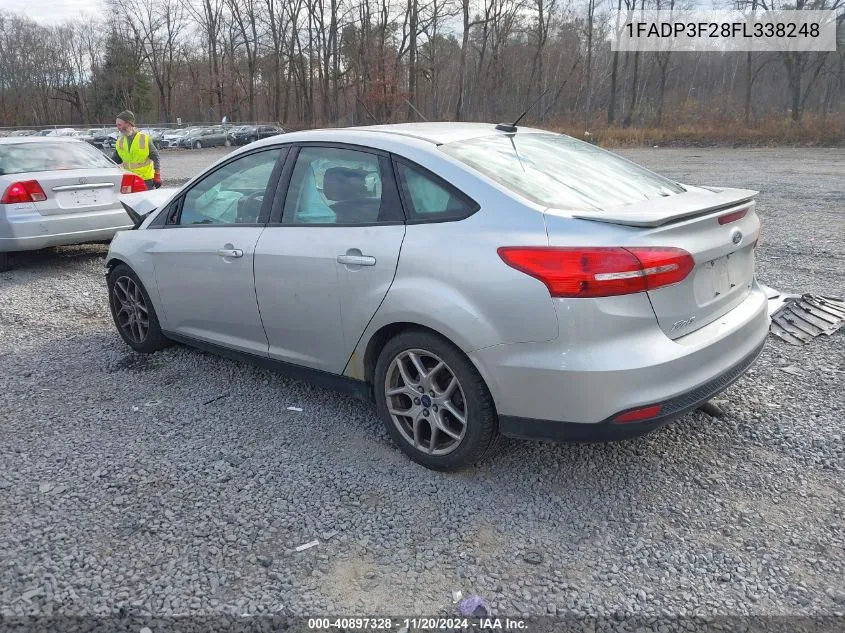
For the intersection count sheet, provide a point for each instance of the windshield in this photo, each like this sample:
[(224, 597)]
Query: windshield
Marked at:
[(559, 171), (18, 158)]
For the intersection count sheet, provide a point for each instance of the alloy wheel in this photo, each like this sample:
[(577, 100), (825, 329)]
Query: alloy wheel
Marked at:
[(133, 315), (426, 402)]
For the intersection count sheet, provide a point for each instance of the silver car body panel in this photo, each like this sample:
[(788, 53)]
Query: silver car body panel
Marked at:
[(206, 293), (573, 360), (315, 308)]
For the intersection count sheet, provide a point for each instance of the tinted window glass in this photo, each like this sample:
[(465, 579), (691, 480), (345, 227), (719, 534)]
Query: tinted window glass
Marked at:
[(431, 198), (340, 186), (232, 194), (560, 171), (18, 158)]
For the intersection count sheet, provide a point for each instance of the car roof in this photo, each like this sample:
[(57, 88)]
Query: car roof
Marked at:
[(442, 132), (437, 133)]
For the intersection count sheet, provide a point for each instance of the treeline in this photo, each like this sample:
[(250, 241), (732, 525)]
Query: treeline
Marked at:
[(343, 62)]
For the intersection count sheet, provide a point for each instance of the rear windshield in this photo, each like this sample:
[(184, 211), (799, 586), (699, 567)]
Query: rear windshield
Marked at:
[(18, 158), (559, 171)]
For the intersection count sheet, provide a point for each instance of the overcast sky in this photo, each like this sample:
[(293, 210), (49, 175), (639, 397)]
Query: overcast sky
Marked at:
[(52, 11)]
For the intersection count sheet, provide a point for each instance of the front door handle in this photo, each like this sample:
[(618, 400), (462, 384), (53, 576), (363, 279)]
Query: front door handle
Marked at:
[(230, 252), (356, 260)]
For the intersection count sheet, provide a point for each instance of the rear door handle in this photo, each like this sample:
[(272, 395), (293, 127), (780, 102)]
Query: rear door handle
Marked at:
[(230, 252), (356, 260)]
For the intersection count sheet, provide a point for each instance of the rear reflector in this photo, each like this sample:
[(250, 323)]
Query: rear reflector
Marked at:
[(25, 191), (639, 415), (132, 183), (732, 217), (600, 271)]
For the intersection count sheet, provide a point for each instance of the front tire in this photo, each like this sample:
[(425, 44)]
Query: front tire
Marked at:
[(133, 312), (433, 402), (197, 145)]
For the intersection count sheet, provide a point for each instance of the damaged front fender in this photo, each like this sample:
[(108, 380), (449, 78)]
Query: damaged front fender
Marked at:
[(139, 206)]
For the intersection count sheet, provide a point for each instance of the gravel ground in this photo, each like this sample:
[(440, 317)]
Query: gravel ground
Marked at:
[(181, 483)]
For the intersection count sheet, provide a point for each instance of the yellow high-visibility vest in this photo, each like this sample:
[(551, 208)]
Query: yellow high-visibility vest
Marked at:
[(137, 157)]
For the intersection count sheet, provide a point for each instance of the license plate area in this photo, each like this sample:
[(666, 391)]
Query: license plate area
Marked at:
[(724, 276), (84, 198)]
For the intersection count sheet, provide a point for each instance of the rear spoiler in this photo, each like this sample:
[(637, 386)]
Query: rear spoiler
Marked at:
[(693, 202), (139, 206)]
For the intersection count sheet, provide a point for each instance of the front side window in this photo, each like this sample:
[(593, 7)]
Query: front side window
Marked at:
[(561, 172), (232, 194), (340, 186)]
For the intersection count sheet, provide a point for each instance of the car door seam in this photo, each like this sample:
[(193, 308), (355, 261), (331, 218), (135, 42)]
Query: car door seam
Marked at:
[(383, 299)]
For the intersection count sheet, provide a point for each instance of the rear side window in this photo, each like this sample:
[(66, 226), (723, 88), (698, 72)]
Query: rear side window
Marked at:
[(332, 185), (19, 158), (561, 172), (431, 198)]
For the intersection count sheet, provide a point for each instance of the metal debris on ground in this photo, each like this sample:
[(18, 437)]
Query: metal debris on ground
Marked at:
[(306, 546), (712, 409), (802, 318)]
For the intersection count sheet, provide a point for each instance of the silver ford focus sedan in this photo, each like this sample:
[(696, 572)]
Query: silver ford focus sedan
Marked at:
[(472, 280), (56, 191)]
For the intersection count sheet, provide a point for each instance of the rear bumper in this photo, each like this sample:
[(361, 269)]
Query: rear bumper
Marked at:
[(609, 431), (600, 367), (33, 231)]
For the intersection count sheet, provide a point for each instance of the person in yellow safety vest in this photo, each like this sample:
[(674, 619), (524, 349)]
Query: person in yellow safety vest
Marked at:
[(136, 151)]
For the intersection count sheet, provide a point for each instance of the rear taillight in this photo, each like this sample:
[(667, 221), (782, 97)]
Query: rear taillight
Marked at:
[(132, 184), (639, 415), (25, 191), (600, 271), (732, 217)]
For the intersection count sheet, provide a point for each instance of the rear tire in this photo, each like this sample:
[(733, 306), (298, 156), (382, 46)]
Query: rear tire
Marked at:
[(452, 422), (5, 262), (133, 313)]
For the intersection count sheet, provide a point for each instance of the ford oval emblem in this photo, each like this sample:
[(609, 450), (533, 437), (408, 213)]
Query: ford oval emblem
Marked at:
[(736, 236)]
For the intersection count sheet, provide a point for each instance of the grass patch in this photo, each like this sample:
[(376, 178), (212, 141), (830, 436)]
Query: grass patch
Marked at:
[(811, 132)]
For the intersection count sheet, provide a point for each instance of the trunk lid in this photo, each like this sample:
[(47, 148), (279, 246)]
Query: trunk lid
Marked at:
[(723, 253), (77, 190)]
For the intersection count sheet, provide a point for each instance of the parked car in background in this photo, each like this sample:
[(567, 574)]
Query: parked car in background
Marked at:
[(172, 138), (65, 131), (250, 133), (213, 136), (56, 191), (110, 140), (471, 279)]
